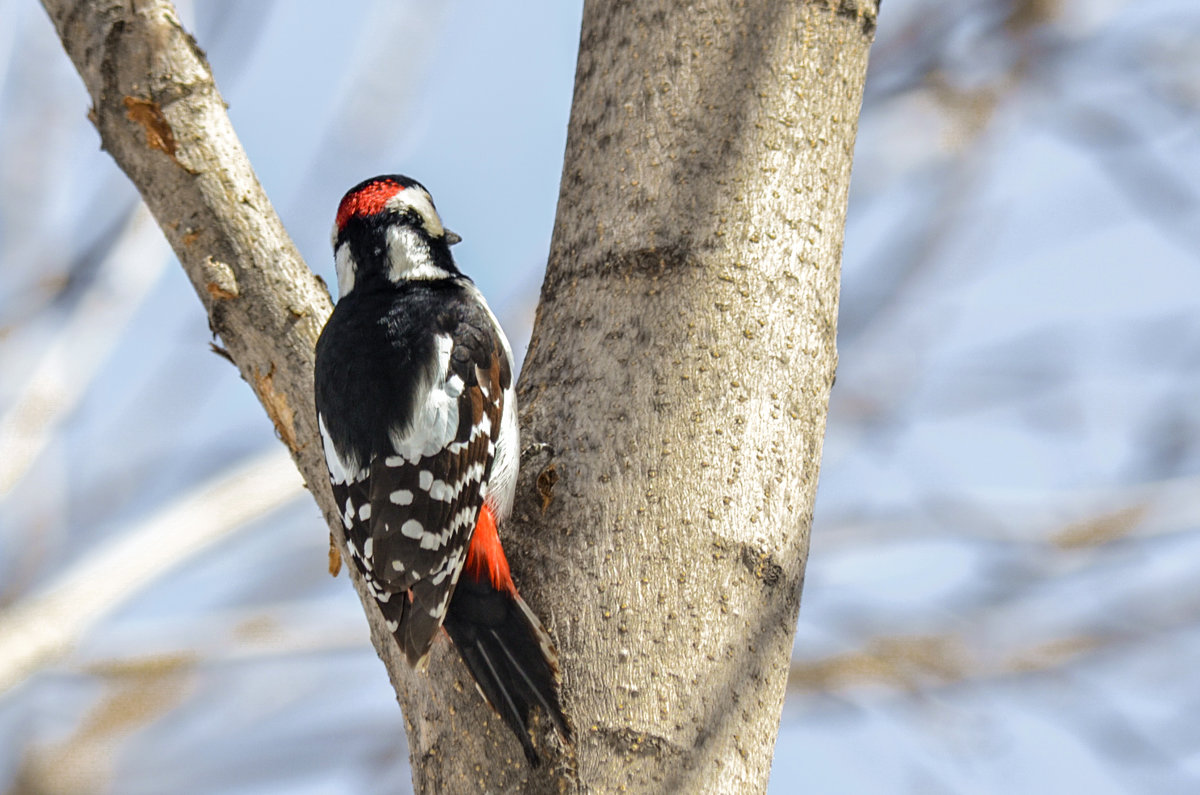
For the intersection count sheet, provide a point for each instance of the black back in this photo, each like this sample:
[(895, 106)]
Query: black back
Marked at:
[(378, 348)]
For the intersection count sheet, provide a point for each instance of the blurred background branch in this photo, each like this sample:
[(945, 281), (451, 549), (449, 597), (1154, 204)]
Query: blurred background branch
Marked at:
[(115, 283), (47, 626)]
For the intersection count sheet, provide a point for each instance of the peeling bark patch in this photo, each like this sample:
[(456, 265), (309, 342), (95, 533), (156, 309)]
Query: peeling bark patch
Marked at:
[(158, 133), (221, 283), (219, 293), (335, 558), (762, 565), (545, 485), (277, 407)]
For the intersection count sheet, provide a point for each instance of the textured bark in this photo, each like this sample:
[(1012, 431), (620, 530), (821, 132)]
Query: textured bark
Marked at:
[(674, 394)]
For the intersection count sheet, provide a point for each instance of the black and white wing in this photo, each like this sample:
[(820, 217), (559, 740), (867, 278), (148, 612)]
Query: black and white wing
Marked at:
[(411, 510)]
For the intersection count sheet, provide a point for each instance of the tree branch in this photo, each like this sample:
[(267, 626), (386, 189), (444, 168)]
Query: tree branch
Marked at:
[(161, 117)]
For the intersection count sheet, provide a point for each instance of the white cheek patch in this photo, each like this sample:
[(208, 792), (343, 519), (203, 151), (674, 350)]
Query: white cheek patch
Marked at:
[(347, 268), (409, 256)]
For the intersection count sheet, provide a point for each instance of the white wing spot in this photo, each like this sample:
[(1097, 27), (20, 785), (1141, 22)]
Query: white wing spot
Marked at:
[(412, 529), (453, 563), (438, 610), (484, 427), (401, 497), (425, 479), (364, 513), (398, 565), (460, 520), (464, 518), (392, 626), (368, 547), (440, 490)]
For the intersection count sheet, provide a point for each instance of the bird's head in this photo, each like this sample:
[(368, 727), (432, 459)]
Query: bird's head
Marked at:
[(387, 228)]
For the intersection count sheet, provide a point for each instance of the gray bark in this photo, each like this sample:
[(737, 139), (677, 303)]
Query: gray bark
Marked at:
[(674, 394), (680, 371)]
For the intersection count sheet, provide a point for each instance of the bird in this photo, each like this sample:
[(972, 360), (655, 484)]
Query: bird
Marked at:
[(417, 412)]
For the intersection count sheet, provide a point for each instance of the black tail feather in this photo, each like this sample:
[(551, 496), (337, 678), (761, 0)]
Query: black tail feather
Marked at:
[(510, 655), (547, 698), (492, 684)]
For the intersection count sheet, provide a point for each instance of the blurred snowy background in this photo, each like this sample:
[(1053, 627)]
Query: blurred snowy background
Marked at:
[(1004, 588)]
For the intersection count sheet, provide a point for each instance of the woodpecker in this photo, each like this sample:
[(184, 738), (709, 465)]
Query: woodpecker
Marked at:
[(417, 412)]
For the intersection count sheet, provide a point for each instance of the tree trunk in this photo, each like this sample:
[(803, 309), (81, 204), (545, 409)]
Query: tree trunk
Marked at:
[(673, 399), (674, 395)]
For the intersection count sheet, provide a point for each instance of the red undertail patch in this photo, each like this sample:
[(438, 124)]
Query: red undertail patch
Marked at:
[(485, 556)]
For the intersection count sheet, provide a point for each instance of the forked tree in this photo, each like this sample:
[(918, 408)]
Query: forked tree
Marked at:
[(674, 395)]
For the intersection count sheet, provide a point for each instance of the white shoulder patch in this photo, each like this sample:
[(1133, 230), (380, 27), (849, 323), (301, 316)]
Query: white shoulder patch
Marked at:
[(347, 471), (435, 421)]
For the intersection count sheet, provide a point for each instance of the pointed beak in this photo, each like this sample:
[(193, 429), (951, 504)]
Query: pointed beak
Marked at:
[(451, 238)]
